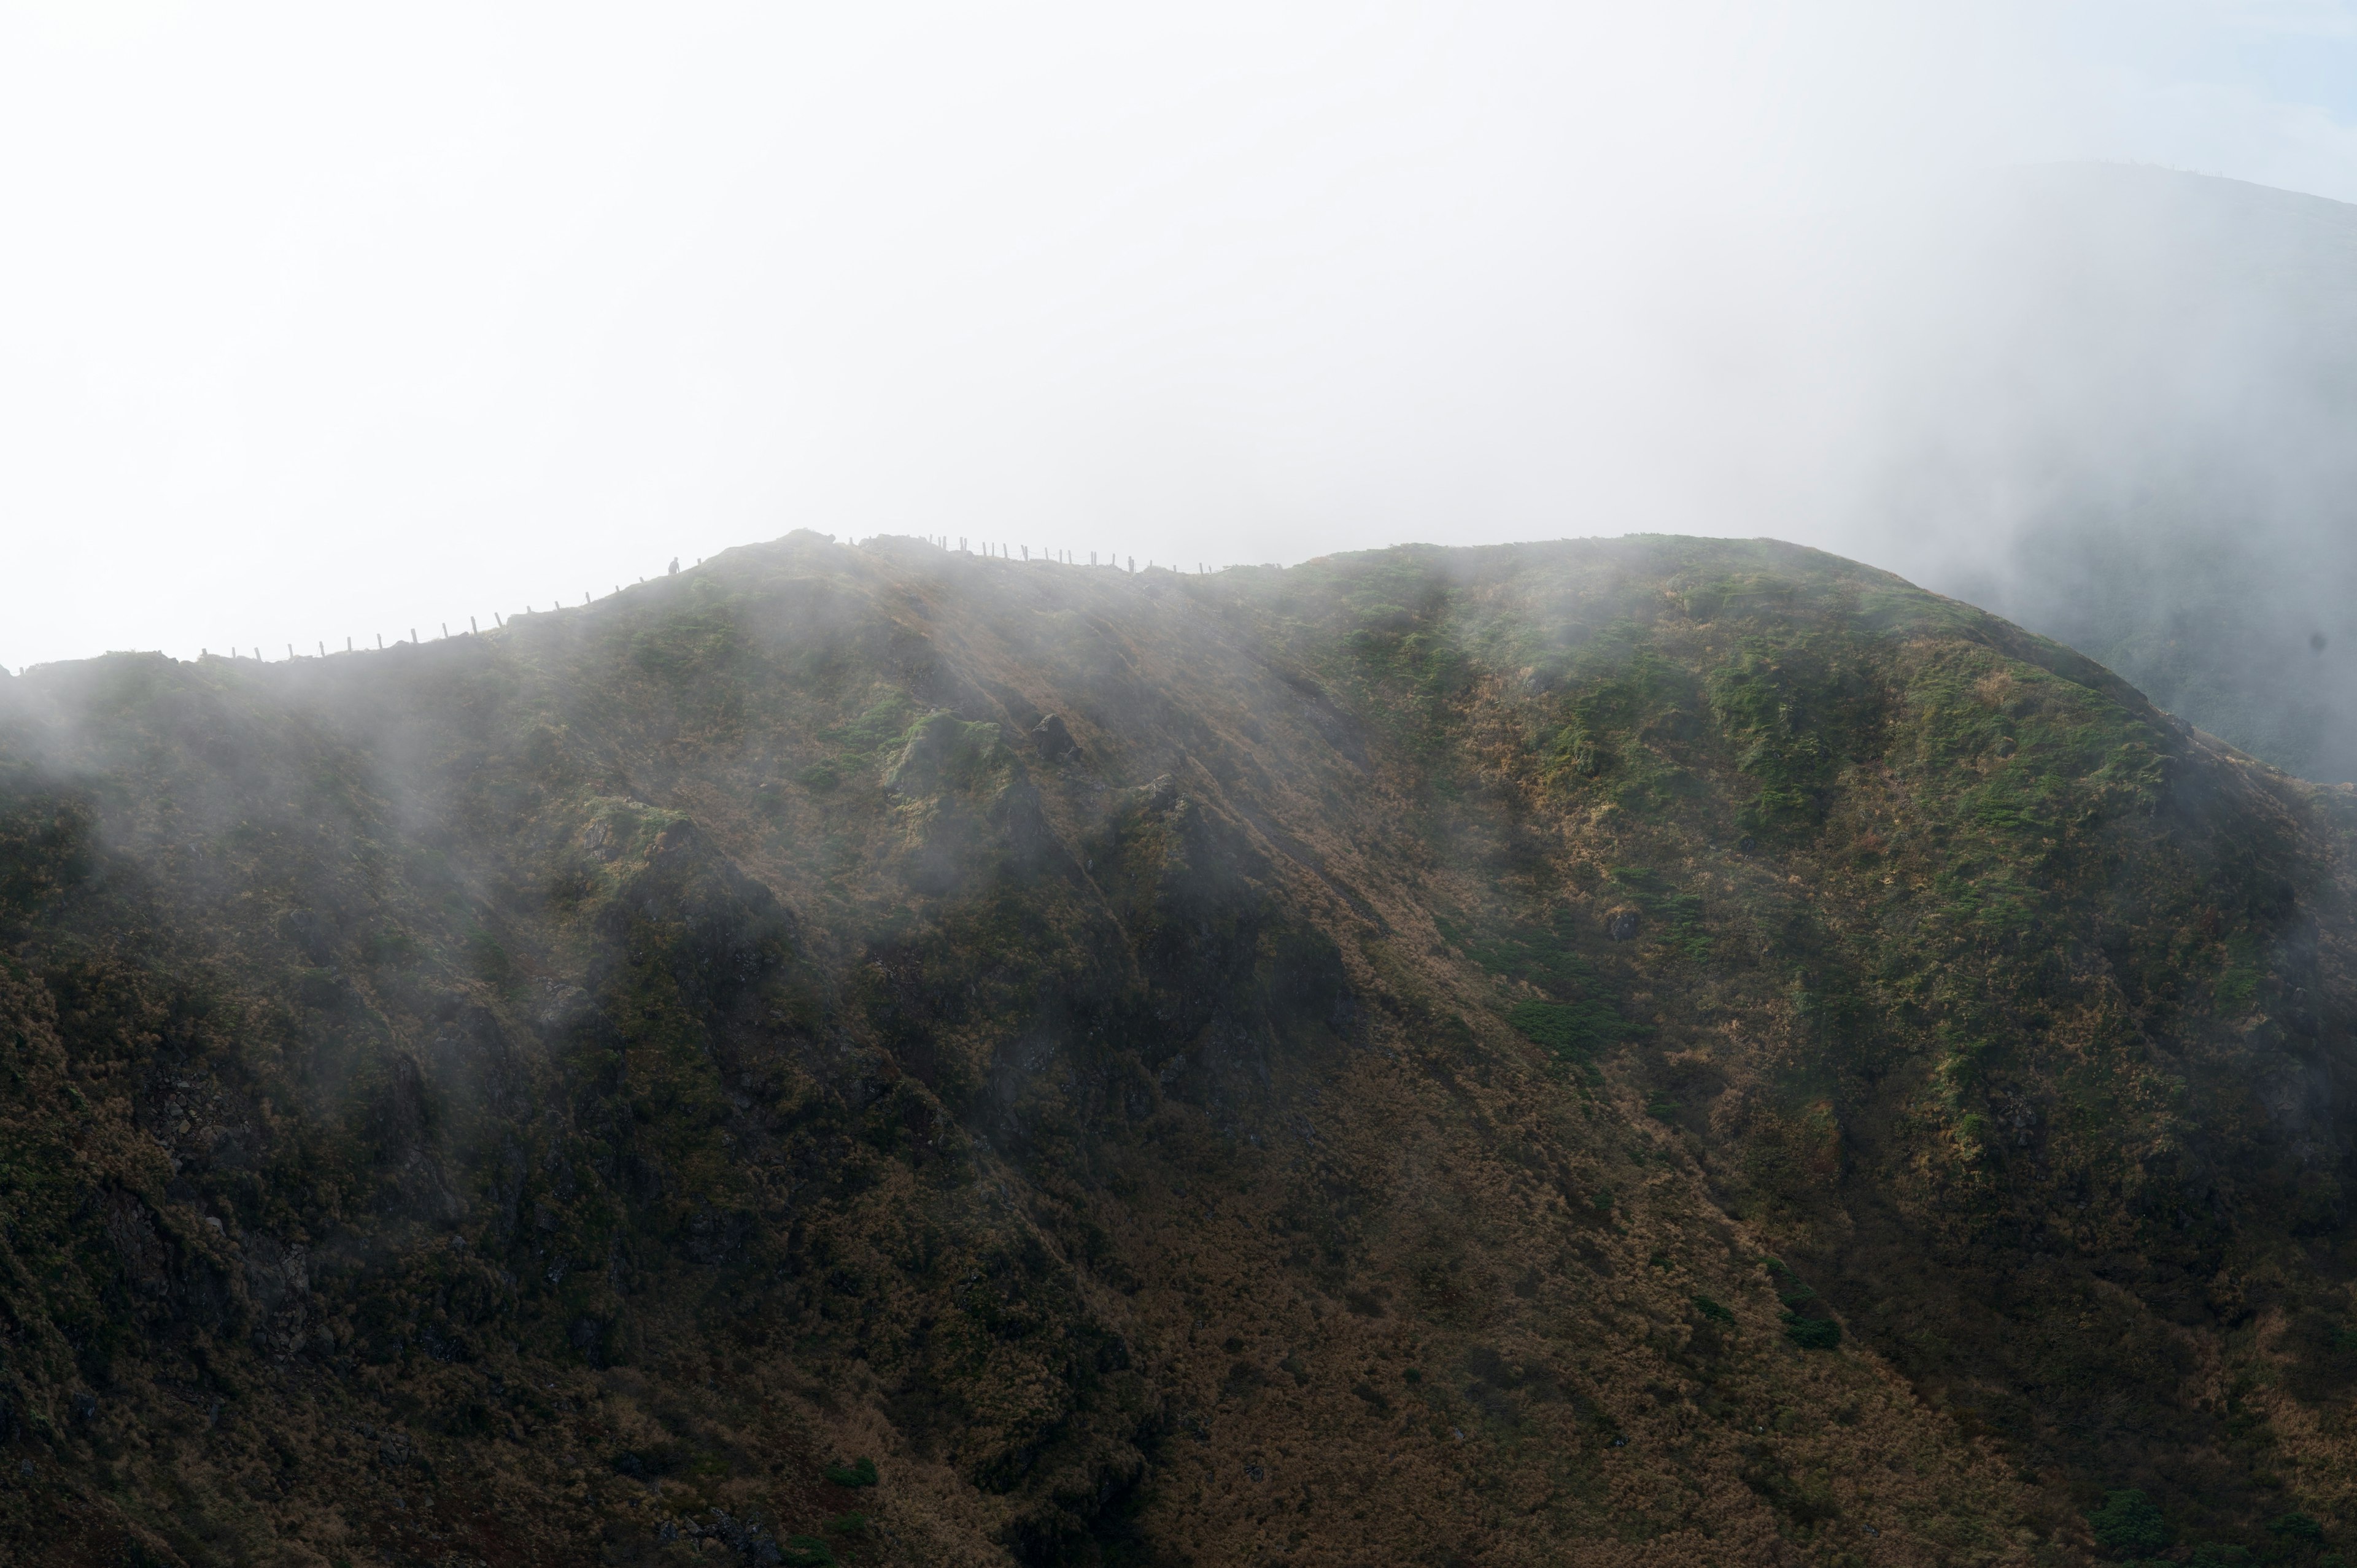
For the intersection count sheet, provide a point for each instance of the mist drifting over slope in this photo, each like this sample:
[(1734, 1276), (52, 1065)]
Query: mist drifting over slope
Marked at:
[(2121, 412), (1661, 1047), (880, 1057), (329, 327)]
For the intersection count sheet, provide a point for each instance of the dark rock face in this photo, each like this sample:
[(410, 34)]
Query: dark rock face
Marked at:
[(725, 1069), (1052, 739)]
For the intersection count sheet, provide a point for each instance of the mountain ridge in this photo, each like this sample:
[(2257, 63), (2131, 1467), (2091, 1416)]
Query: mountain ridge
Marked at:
[(1623, 1050)]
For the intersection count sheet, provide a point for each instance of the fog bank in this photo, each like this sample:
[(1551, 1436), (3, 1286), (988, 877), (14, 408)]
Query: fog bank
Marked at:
[(325, 327)]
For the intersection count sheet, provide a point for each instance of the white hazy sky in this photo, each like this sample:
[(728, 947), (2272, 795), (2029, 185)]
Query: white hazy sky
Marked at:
[(325, 321)]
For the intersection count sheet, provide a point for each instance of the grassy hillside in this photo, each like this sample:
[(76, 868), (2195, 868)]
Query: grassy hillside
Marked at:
[(1647, 1051)]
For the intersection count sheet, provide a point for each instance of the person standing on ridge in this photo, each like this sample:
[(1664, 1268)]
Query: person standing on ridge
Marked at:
[(675, 565)]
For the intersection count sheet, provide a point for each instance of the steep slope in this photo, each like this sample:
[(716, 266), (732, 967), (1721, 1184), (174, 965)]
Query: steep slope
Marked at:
[(1643, 1051)]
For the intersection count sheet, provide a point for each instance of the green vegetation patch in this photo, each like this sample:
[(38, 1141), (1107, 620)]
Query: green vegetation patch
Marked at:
[(1680, 913), (688, 641), (1811, 1332), (942, 752), (1569, 1031), (858, 1473), (1628, 727), (1742, 595), (882, 724), (1546, 960), (2239, 980), (1794, 714), (2128, 1522)]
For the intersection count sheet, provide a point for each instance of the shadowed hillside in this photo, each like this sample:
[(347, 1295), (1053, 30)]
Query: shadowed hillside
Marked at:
[(1632, 1052)]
